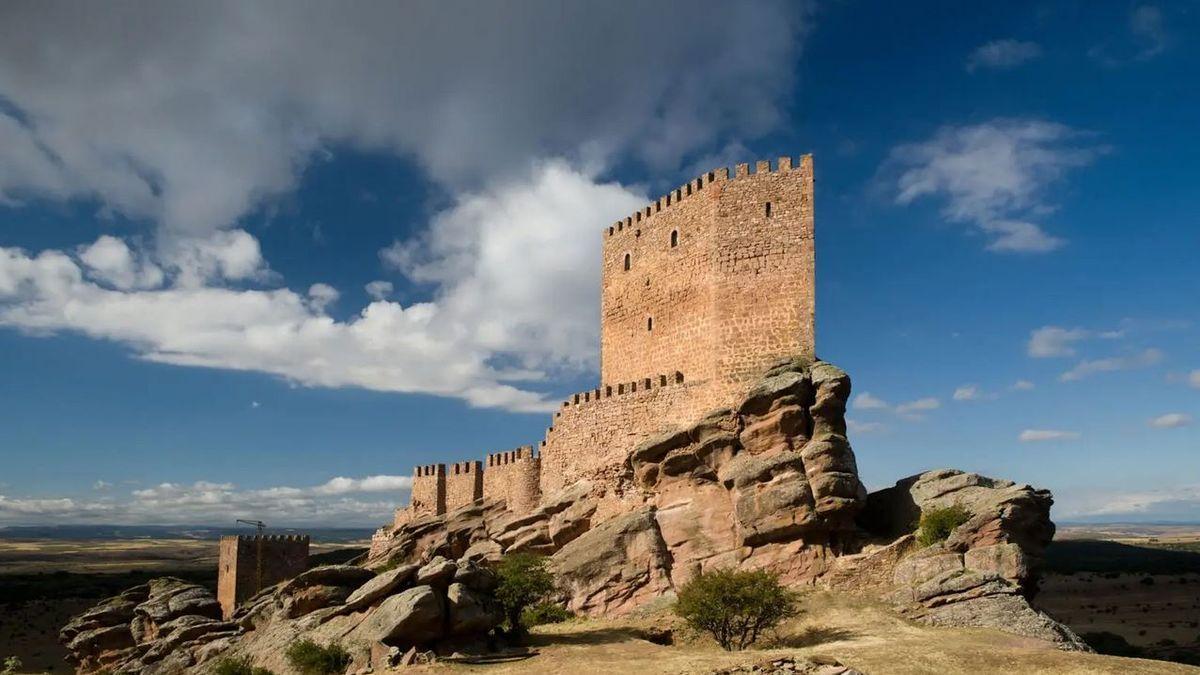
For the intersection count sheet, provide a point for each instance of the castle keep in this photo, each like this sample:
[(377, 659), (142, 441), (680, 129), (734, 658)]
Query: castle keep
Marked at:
[(251, 563), (701, 290)]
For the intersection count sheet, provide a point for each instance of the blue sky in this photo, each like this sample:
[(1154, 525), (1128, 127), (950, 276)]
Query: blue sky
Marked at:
[(263, 266)]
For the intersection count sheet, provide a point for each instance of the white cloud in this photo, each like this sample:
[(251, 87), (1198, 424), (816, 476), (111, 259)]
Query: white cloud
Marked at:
[(1171, 421), (1087, 368), (918, 406), (1180, 502), (204, 113), (967, 392), (1022, 385), (1003, 54), (1054, 341), (379, 290), (1014, 236), (1194, 378), (111, 261), (1041, 435), (101, 485), (993, 175), (207, 502), (201, 117), (867, 401), (854, 426)]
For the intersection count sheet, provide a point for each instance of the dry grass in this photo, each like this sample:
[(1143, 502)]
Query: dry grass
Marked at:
[(857, 632)]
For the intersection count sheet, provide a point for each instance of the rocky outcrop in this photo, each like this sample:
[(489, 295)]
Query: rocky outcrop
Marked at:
[(986, 569), (170, 626), (772, 483)]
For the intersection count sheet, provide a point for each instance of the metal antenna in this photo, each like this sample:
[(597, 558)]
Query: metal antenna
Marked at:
[(258, 571)]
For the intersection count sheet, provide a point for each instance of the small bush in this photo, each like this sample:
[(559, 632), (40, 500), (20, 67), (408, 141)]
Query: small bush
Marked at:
[(523, 580), (543, 613), (310, 658), (936, 524), (1111, 644), (238, 666), (12, 665), (735, 607)]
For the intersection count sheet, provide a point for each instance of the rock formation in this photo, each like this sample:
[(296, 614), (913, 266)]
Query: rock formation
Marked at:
[(771, 484), (169, 625)]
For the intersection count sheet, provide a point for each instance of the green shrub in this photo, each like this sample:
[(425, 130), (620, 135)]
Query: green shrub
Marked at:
[(734, 606), (238, 666), (936, 524), (12, 665), (523, 580), (310, 658), (544, 612)]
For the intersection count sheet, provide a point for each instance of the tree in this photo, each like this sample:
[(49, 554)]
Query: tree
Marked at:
[(734, 606), (523, 581)]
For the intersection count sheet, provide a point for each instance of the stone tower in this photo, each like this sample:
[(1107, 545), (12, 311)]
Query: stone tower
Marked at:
[(250, 563)]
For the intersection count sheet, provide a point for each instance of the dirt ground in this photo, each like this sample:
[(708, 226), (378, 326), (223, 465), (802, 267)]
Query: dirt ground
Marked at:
[(858, 633)]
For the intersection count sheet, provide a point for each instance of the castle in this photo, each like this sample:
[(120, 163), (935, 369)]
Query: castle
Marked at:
[(248, 564), (701, 291)]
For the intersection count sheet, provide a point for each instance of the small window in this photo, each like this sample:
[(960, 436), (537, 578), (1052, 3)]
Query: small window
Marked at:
[(674, 238), (768, 209), (649, 324), (628, 261)]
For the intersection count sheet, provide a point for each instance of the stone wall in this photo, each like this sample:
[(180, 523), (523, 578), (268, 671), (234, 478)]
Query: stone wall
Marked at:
[(283, 557), (428, 490), (464, 484), (593, 431), (515, 477), (715, 279)]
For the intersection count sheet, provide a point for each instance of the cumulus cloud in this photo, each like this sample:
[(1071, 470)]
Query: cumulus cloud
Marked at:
[(1144, 358), (864, 427), (200, 116), (378, 290), (1171, 421), (1022, 385), (1003, 54), (994, 176), (913, 408), (339, 500), (1043, 435), (1194, 378), (868, 401)]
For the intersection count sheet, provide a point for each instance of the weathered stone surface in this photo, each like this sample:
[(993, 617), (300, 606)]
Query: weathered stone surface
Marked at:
[(312, 598), (468, 612), (351, 576), (616, 565), (474, 576), (381, 585), (437, 572), (413, 617)]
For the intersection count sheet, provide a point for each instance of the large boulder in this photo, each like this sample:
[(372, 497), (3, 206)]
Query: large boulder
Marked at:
[(415, 617), (615, 566)]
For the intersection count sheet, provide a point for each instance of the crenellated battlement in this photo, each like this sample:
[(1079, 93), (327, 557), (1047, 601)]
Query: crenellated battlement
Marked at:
[(621, 389), (698, 185), (426, 470), (275, 538), (466, 467), (525, 453)]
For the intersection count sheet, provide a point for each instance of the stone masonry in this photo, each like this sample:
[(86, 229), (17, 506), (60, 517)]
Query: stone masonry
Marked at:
[(701, 291), (239, 570)]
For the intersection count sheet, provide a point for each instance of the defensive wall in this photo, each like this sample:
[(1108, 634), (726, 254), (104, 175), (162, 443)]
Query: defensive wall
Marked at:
[(241, 572), (703, 288)]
